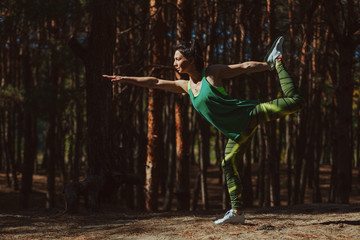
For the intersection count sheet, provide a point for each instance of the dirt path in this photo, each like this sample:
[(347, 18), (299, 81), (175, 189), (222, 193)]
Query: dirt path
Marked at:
[(309, 221), (323, 221)]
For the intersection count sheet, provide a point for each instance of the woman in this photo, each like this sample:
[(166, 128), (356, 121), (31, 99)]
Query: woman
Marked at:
[(236, 119)]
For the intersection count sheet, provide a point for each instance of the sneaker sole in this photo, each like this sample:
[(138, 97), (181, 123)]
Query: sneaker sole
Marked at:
[(272, 48)]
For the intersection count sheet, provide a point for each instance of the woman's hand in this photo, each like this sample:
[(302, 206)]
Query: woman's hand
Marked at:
[(113, 78), (179, 86)]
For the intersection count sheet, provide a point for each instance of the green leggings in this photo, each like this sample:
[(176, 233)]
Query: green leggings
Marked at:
[(263, 112)]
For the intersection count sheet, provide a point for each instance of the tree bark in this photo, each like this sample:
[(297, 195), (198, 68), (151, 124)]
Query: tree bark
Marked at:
[(171, 154), (97, 57), (304, 124), (79, 129), (184, 21), (30, 138), (272, 181), (347, 41), (154, 147), (204, 159), (52, 141)]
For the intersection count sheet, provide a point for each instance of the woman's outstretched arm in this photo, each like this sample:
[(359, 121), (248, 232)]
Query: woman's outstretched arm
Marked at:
[(233, 70), (178, 86)]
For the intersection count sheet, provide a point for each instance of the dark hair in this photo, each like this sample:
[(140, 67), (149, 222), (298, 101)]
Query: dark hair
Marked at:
[(192, 49)]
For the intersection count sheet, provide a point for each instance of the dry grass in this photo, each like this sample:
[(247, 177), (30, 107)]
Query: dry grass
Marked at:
[(325, 221), (307, 221)]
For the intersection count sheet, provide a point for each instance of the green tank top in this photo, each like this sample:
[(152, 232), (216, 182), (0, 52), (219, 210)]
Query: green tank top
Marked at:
[(229, 115)]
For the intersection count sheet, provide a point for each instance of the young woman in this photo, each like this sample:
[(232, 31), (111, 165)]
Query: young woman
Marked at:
[(236, 119)]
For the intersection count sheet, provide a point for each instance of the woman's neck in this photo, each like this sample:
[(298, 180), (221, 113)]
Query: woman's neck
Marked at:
[(195, 76)]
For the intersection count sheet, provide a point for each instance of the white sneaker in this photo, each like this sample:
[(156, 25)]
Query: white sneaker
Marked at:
[(274, 52), (231, 217)]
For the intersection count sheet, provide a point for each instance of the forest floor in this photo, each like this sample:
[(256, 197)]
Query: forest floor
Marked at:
[(305, 221)]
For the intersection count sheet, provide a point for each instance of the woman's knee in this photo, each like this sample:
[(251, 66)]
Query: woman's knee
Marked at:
[(225, 164)]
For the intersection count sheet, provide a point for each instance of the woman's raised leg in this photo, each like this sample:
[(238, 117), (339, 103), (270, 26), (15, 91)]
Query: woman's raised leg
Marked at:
[(280, 107)]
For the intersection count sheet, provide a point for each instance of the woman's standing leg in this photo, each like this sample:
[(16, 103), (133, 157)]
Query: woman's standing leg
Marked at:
[(233, 154)]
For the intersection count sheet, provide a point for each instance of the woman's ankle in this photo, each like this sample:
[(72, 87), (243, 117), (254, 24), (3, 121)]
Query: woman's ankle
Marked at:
[(237, 211)]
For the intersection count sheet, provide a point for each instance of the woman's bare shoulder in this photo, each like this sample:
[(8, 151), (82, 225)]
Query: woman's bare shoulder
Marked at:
[(213, 73)]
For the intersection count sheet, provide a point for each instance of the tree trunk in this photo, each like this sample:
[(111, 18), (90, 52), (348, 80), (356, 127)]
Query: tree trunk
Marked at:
[(141, 159), (51, 161), (30, 146), (254, 152), (171, 154), (344, 93), (272, 185), (98, 60), (314, 183), (19, 139), (204, 159), (290, 124), (98, 91), (182, 162), (184, 21), (347, 41), (301, 160), (154, 147), (52, 140), (288, 157), (79, 129)]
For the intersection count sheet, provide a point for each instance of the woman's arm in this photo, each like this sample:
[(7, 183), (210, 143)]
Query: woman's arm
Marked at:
[(177, 86), (229, 71)]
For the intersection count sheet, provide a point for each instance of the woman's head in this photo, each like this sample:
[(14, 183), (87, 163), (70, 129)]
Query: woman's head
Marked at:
[(192, 52)]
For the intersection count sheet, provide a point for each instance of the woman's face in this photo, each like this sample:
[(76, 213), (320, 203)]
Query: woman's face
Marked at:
[(181, 64)]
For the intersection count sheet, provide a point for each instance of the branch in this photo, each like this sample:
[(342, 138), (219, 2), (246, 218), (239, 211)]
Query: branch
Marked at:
[(139, 24)]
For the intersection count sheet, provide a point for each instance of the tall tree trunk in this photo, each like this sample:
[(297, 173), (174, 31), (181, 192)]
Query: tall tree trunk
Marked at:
[(318, 130), (288, 157), (255, 33), (30, 146), (290, 124), (301, 161), (154, 147), (171, 154), (52, 140), (204, 159), (272, 159), (347, 41), (51, 162), (98, 59), (98, 91), (19, 139), (184, 21), (344, 157), (79, 129), (141, 159)]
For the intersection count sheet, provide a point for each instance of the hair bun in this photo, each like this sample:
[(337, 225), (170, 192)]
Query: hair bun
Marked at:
[(195, 47)]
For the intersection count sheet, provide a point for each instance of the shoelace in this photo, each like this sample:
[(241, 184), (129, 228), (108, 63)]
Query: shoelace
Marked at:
[(227, 213)]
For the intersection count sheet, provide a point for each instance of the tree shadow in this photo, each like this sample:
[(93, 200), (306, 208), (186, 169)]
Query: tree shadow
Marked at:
[(314, 208), (354, 223)]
